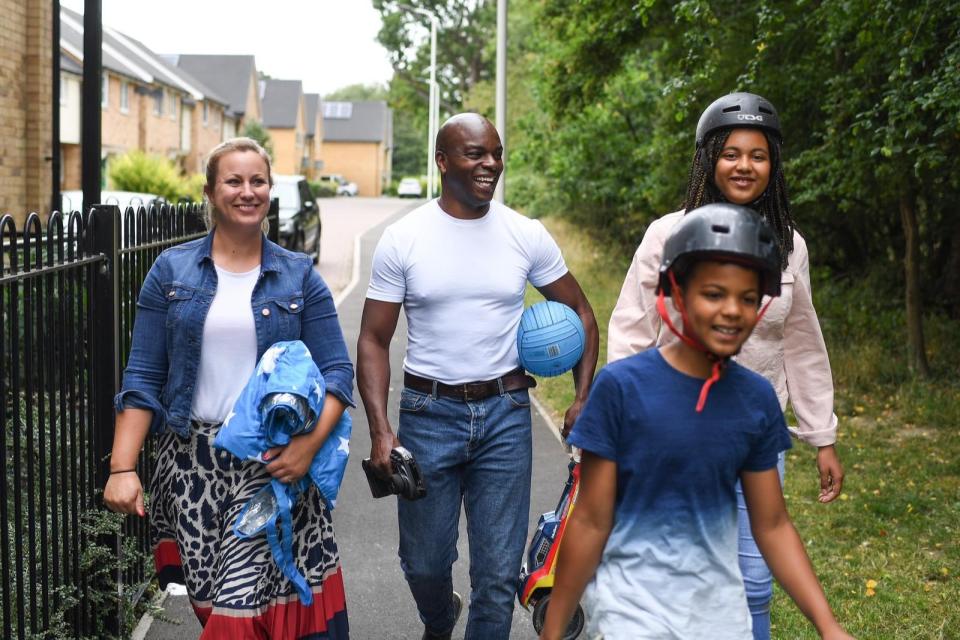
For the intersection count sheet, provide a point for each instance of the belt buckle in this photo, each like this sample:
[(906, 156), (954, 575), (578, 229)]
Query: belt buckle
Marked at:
[(467, 395)]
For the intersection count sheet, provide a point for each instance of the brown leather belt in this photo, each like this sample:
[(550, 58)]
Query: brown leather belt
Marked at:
[(510, 381)]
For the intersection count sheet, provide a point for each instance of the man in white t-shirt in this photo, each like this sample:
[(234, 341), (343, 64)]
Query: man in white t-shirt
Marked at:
[(459, 266)]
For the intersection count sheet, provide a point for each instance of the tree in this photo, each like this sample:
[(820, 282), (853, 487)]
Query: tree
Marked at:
[(465, 46), (256, 131), (358, 93)]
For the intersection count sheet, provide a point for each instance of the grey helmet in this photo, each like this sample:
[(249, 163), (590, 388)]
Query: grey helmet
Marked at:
[(738, 110), (727, 232)]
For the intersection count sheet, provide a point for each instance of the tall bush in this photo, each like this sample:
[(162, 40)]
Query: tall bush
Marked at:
[(138, 171)]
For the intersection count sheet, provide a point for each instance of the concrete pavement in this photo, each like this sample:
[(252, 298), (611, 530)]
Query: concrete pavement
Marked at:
[(378, 602)]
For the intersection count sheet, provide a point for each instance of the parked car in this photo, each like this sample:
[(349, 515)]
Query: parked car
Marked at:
[(409, 188), (72, 200), (299, 215), (344, 186)]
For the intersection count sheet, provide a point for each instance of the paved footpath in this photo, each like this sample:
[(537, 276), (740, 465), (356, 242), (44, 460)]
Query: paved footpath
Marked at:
[(378, 602)]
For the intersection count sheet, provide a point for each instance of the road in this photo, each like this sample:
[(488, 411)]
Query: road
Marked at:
[(379, 604)]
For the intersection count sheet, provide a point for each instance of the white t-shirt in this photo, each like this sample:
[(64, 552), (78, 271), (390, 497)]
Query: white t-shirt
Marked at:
[(461, 283), (228, 351)]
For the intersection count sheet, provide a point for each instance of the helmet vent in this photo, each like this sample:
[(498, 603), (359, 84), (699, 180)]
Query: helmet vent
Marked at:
[(730, 109), (765, 110), (720, 228)]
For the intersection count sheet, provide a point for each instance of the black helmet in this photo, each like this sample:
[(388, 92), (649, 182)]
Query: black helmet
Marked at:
[(738, 110), (724, 231)]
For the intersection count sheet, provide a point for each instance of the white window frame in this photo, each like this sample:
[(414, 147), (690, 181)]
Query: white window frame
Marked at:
[(124, 96), (171, 104), (206, 113), (158, 99), (104, 90), (64, 89)]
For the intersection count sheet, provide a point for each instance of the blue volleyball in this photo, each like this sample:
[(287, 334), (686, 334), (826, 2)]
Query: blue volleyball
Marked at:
[(550, 338)]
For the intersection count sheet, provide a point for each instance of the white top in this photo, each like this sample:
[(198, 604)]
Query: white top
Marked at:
[(461, 283), (228, 351), (786, 347)]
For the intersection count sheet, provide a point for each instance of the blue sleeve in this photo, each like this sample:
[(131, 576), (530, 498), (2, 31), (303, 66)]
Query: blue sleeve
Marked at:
[(146, 372), (597, 430), (772, 439), (320, 331)]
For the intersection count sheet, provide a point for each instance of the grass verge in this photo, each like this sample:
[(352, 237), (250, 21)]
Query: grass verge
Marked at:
[(886, 551)]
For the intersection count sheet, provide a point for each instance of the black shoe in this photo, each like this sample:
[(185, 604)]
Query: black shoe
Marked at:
[(457, 608)]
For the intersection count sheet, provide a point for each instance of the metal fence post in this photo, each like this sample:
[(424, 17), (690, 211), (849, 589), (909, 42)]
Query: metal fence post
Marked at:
[(104, 343)]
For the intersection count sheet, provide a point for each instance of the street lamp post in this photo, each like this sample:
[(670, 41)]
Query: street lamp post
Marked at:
[(433, 103), (501, 97)]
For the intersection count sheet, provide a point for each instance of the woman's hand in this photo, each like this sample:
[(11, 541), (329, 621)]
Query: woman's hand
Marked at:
[(124, 493), (290, 463), (831, 473)]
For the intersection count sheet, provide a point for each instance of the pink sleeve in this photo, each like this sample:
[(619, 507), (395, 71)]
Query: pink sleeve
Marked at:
[(805, 360), (635, 323)]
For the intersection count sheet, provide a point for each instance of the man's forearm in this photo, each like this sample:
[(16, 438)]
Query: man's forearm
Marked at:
[(585, 368), (373, 382)]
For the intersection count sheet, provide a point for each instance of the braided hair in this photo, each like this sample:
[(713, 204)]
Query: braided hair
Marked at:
[(772, 204)]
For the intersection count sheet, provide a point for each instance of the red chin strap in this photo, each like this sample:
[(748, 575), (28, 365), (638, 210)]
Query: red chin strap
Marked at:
[(688, 337)]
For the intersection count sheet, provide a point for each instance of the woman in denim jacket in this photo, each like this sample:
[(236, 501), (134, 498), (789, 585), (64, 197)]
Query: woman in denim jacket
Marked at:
[(207, 312)]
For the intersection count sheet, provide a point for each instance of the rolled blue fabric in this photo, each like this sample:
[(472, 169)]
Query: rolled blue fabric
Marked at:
[(283, 398)]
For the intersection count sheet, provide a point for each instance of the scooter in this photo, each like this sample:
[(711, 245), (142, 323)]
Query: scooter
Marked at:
[(537, 573)]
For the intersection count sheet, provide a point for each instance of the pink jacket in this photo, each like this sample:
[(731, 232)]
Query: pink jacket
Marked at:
[(786, 348)]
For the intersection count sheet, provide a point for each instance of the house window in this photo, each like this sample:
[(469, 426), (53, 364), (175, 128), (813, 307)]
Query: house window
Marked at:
[(64, 89), (104, 90), (158, 102), (172, 104), (206, 112), (124, 96)]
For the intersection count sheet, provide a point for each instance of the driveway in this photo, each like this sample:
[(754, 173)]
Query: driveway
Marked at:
[(378, 602)]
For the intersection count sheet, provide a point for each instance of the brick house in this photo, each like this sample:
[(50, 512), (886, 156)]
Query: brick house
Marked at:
[(25, 106), (358, 142), (284, 117), (147, 103), (232, 77), (314, 143)]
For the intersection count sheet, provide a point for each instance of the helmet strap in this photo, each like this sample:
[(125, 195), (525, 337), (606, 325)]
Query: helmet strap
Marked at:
[(688, 337)]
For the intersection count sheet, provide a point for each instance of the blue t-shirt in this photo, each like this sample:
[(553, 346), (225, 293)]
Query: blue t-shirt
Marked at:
[(669, 568)]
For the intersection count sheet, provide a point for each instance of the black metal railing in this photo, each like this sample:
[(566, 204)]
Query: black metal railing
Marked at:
[(67, 303)]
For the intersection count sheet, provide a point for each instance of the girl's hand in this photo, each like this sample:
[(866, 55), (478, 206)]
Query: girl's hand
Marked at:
[(831, 473), (290, 463), (837, 634), (124, 494)]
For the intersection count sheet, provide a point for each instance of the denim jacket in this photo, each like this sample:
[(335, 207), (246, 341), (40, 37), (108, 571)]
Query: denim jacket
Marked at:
[(290, 301)]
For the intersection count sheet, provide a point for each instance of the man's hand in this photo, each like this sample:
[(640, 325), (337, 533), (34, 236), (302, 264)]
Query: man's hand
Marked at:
[(831, 473), (570, 417), (381, 445)]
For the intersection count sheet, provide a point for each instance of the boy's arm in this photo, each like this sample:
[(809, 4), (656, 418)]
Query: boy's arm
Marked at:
[(583, 541), (784, 552)]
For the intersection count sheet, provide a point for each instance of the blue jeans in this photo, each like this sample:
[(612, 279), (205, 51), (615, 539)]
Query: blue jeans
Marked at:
[(757, 580), (479, 454)]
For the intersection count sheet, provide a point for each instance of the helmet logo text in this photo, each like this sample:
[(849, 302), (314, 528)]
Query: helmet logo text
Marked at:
[(749, 116)]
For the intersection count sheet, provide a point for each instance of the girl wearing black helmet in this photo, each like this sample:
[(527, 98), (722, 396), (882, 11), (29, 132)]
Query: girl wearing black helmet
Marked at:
[(665, 438), (737, 159)]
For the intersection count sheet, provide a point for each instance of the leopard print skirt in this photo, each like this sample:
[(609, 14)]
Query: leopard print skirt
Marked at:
[(235, 587)]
